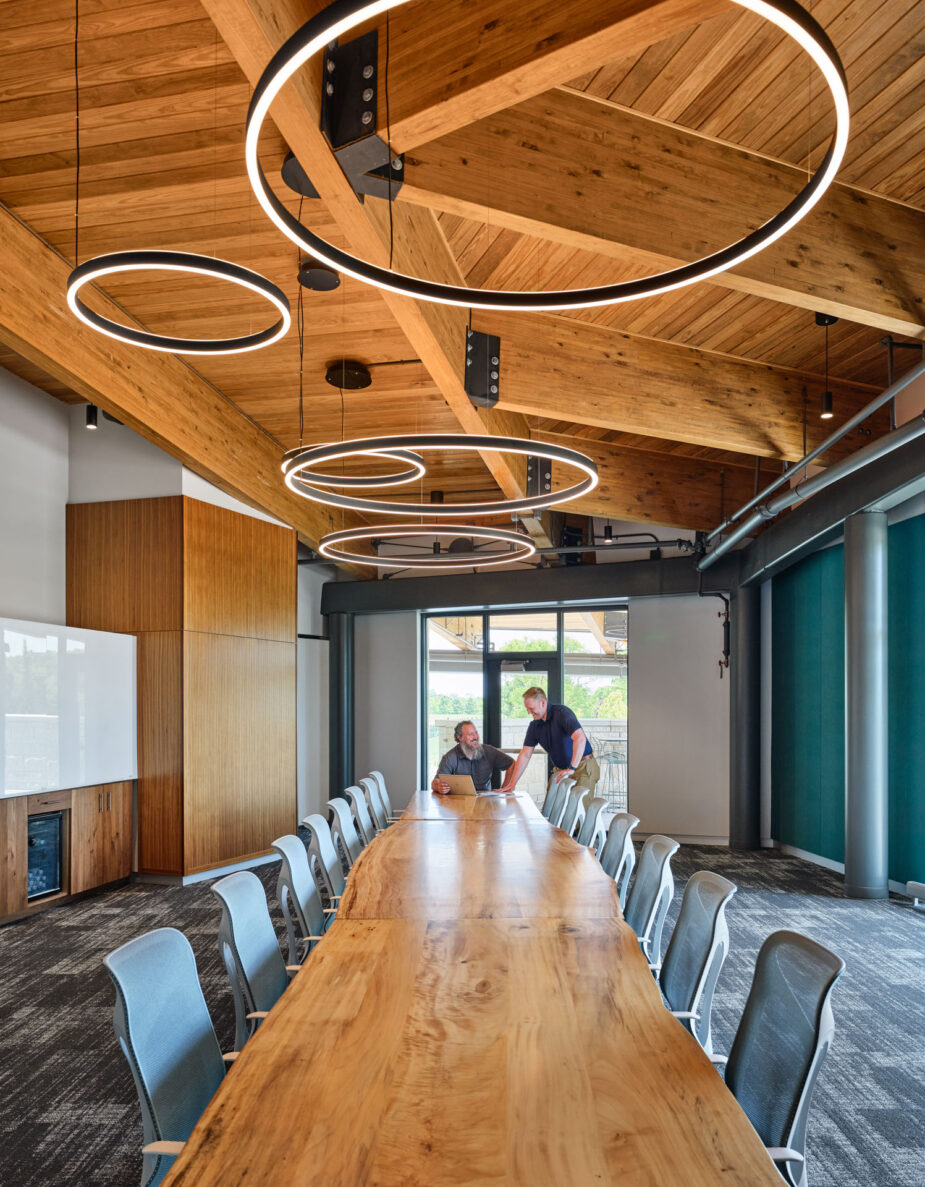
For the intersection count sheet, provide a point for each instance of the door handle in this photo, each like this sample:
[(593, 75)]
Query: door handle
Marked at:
[(108, 801), (101, 802)]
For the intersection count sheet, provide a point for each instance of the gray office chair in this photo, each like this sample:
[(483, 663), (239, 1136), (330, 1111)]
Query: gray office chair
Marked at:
[(374, 803), (574, 813), (383, 792), (163, 1026), (344, 834), (250, 951), (298, 898), (360, 812), (783, 1037), (696, 952), (551, 787), (592, 831), (651, 895), (559, 801), (618, 857), (323, 861)]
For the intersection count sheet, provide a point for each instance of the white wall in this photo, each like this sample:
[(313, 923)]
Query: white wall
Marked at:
[(388, 718), (33, 493), (312, 729), (111, 462), (678, 719)]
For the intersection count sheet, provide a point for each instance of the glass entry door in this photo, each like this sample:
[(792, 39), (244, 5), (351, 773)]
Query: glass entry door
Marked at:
[(507, 677)]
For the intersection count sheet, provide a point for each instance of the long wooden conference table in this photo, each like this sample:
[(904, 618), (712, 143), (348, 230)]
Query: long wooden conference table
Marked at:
[(479, 1013)]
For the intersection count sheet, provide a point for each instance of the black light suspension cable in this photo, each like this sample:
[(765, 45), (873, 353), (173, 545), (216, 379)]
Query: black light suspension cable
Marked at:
[(343, 16)]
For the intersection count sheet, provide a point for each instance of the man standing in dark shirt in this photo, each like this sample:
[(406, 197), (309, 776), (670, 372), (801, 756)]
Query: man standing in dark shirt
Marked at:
[(559, 732), (470, 757)]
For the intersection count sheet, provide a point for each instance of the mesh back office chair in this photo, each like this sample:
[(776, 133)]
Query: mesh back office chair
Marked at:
[(298, 897), (344, 834), (322, 858), (696, 952), (784, 1035), (164, 1029), (559, 800), (592, 831), (618, 857), (374, 803), (383, 791), (250, 951), (651, 895), (360, 812), (574, 813)]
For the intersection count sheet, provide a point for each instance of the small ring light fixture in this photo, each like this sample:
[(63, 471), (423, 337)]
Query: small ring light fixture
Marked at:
[(176, 261), (343, 16), (416, 469), (332, 547), (299, 477)]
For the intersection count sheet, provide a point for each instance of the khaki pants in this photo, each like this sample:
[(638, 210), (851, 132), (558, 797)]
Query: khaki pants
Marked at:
[(586, 774)]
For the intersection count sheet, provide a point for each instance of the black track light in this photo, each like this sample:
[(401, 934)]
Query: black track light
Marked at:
[(826, 319), (608, 534), (826, 413), (93, 414)]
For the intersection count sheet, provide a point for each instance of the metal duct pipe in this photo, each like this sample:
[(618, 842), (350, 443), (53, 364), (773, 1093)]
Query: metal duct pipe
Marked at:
[(885, 397), (803, 490)]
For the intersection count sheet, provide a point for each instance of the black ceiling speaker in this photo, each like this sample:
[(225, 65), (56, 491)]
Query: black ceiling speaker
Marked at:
[(318, 277), (348, 375)]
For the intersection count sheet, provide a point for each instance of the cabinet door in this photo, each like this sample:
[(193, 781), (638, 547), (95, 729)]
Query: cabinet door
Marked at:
[(88, 815), (117, 831)]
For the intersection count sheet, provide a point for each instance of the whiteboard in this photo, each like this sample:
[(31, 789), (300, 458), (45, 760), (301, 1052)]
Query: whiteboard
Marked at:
[(68, 705)]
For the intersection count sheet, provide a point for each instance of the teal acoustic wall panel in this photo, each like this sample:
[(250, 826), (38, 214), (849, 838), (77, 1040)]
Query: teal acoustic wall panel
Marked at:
[(808, 706), (907, 699)]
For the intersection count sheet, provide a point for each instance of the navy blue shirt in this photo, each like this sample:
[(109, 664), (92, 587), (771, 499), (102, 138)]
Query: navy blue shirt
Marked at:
[(555, 735), (454, 762)]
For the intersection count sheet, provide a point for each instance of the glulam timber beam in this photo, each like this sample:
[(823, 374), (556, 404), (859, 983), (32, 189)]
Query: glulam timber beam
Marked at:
[(455, 61), (562, 368), (676, 492), (155, 394), (597, 177), (253, 31)]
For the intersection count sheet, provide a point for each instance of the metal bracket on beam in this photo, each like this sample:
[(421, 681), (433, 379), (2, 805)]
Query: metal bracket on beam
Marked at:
[(349, 118), (539, 476), (483, 368)]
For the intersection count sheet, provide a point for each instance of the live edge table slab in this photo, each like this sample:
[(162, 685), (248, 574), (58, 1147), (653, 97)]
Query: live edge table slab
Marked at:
[(518, 807), (456, 1039)]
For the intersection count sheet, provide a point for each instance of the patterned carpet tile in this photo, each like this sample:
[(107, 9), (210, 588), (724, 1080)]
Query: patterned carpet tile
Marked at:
[(70, 1114)]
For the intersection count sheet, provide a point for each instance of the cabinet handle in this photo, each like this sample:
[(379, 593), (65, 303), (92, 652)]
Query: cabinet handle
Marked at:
[(101, 801), (108, 800)]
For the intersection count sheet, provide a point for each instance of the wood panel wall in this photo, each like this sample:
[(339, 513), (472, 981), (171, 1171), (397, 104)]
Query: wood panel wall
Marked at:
[(210, 594)]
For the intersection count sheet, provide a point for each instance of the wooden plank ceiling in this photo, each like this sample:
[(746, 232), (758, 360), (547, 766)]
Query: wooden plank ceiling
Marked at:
[(519, 174)]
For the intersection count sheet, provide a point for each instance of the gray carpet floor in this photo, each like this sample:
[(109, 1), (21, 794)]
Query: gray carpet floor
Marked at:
[(70, 1116)]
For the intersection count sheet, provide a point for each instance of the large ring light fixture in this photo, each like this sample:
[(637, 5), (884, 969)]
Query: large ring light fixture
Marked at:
[(343, 16), (416, 469), (299, 478), (331, 546), (176, 261)]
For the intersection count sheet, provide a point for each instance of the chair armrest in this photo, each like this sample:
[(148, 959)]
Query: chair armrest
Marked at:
[(309, 939), (784, 1154), (230, 1056), (292, 969), (259, 1014), (171, 1148), (329, 910), (684, 1014), (722, 1060)]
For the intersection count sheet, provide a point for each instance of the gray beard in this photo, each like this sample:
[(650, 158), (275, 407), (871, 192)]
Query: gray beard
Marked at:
[(473, 753)]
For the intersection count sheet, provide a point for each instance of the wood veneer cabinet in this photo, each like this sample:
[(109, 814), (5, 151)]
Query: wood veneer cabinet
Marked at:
[(210, 595)]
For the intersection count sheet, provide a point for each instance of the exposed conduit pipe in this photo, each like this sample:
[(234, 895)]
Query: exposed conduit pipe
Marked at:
[(857, 461), (884, 398)]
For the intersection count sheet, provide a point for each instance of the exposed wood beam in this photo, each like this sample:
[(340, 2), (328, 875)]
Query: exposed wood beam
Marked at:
[(452, 61), (580, 171), (568, 369), (253, 30), (594, 621), (656, 488), (155, 394)]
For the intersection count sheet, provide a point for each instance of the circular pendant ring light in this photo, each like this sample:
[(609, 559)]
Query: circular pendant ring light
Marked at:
[(332, 546), (299, 478), (343, 16), (177, 261), (416, 470)]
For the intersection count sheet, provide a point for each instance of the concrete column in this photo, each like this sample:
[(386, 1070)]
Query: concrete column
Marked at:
[(341, 685), (866, 763), (745, 720)]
